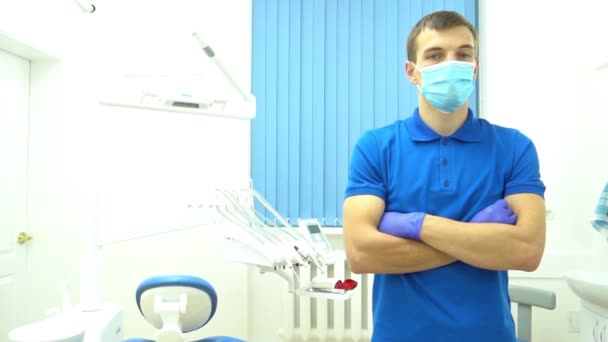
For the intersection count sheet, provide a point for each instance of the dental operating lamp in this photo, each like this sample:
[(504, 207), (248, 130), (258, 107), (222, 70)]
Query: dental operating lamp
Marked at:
[(185, 100), (211, 54), (87, 8)]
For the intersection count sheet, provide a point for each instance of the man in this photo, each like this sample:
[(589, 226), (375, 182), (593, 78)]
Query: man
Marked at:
[(439, 206)]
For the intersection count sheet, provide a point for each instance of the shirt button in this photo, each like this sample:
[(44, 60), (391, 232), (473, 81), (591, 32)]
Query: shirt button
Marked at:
[(444, 161), (446, 183), (444, 141)]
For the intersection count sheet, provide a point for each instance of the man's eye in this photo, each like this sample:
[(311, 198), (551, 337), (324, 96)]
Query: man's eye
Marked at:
[(434, 56)]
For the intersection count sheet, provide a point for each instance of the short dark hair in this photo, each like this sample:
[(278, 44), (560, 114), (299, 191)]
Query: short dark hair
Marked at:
[(438, 21)]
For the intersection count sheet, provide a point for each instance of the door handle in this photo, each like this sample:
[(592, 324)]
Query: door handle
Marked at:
[(23, 238)]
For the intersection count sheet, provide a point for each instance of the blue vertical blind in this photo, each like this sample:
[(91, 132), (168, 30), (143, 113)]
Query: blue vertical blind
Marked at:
[(325, 71)]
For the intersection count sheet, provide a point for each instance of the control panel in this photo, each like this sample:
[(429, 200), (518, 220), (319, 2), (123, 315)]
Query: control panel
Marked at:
[(311, 228)]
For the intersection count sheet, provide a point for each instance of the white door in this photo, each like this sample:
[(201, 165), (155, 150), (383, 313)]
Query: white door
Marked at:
[(14, 99)]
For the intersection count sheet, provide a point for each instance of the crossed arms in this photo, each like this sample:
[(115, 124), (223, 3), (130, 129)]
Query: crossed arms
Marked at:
[(493, 246)]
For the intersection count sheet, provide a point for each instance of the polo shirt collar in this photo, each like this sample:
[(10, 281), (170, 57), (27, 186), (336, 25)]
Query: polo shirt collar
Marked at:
[(470, 131)]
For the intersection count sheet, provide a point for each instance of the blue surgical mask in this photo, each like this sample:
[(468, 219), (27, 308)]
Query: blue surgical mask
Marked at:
[(447, 85)]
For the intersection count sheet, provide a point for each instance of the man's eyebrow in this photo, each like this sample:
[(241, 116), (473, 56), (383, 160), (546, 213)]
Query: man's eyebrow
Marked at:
[(431, 49), (437, 48), (466, 46)]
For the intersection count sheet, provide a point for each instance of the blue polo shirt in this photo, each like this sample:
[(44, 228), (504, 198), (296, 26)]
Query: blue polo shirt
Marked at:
[(412, 168)]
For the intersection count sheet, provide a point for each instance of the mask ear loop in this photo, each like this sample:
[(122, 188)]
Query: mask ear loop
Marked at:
[(420, 71)]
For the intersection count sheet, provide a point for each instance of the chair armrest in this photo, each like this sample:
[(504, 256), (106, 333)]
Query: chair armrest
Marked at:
[(526, 298), (532, 296)]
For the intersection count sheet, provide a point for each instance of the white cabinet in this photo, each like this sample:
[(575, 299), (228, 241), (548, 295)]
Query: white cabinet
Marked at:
[(594, 325)]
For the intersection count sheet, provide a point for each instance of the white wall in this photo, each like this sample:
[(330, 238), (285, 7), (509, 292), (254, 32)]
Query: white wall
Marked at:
[(536, 77)]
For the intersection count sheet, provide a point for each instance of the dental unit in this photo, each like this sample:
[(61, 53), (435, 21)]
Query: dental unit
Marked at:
[(180, 304), (275, 246)]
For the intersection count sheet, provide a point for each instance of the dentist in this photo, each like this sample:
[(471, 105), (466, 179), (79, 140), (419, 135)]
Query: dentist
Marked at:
[(441, 205)]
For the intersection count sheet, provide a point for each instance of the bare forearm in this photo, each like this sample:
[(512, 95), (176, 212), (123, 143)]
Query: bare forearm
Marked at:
[(370, 251), (375, 252), (485, 245)]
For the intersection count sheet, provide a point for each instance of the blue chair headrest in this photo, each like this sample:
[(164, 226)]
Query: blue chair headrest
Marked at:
[(177, 280)]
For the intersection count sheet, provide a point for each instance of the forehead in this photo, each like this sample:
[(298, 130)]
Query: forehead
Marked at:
[(449, 39)]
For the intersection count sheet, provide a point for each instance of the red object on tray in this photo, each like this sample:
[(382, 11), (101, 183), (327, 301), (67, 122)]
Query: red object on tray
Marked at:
[(347, 284)]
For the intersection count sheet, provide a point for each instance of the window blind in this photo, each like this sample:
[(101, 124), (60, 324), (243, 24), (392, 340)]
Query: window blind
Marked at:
[(325, 71)]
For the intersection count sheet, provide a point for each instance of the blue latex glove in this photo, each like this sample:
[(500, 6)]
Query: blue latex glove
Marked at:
[(499, 212), (405, 225)]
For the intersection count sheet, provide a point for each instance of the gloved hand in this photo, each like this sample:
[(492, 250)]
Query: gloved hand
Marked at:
[(405, 225), (499, 212)]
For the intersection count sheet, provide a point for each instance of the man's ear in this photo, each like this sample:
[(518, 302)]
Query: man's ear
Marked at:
[(476, 75), (411, 72)]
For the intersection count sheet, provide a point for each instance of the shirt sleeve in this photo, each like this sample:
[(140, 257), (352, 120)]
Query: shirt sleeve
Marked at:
[(525, 175), (365, 174)]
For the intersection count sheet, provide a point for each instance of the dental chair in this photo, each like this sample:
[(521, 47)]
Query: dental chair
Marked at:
[(177, 304), (527, 297)]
